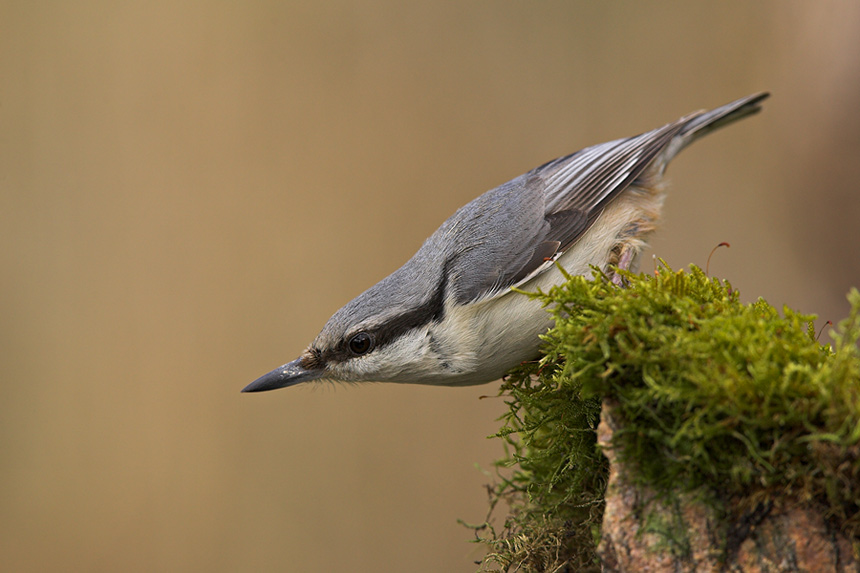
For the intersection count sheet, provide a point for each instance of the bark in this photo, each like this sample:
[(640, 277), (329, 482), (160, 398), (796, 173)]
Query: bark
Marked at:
[(643, 532)]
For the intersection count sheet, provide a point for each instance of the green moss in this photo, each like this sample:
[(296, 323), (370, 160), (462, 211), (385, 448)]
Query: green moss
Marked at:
[(713, 393)]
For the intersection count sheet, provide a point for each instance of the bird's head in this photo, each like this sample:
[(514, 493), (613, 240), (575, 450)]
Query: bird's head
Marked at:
[(383, 335)]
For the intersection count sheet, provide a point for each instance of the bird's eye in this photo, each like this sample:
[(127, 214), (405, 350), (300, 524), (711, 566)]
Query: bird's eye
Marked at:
[(361, 343)]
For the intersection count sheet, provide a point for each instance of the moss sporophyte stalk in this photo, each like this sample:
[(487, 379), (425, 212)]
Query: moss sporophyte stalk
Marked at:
[(736, 402)]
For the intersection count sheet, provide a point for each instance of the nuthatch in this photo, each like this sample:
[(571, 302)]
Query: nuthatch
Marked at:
[(449, 316)]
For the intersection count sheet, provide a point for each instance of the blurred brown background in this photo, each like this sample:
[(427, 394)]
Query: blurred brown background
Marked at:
[(189, 190)]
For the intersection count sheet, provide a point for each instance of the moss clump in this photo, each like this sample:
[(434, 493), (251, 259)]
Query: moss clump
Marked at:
[(713, 393)]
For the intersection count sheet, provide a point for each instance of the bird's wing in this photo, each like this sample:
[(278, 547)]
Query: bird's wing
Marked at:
[(588, 180), (530, 221)]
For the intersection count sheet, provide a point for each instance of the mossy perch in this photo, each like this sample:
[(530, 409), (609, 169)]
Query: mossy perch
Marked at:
[(732, 434)]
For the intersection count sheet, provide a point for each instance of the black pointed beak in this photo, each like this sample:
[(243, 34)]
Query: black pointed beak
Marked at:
[(289, 374)]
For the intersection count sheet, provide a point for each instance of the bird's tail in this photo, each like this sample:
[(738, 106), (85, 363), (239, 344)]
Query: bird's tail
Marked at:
[(702, 123)]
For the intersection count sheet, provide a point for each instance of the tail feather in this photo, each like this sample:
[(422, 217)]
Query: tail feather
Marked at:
[(707, 122)]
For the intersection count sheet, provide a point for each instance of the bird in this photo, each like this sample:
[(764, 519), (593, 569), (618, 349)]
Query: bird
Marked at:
[(455, 314)]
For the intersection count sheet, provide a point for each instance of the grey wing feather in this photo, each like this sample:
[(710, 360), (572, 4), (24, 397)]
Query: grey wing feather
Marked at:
[(545, 212), (589, 179), (491, 240), (516, 230)]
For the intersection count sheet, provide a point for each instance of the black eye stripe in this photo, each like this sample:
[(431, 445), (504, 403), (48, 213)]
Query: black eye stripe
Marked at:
[(432, 310)]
